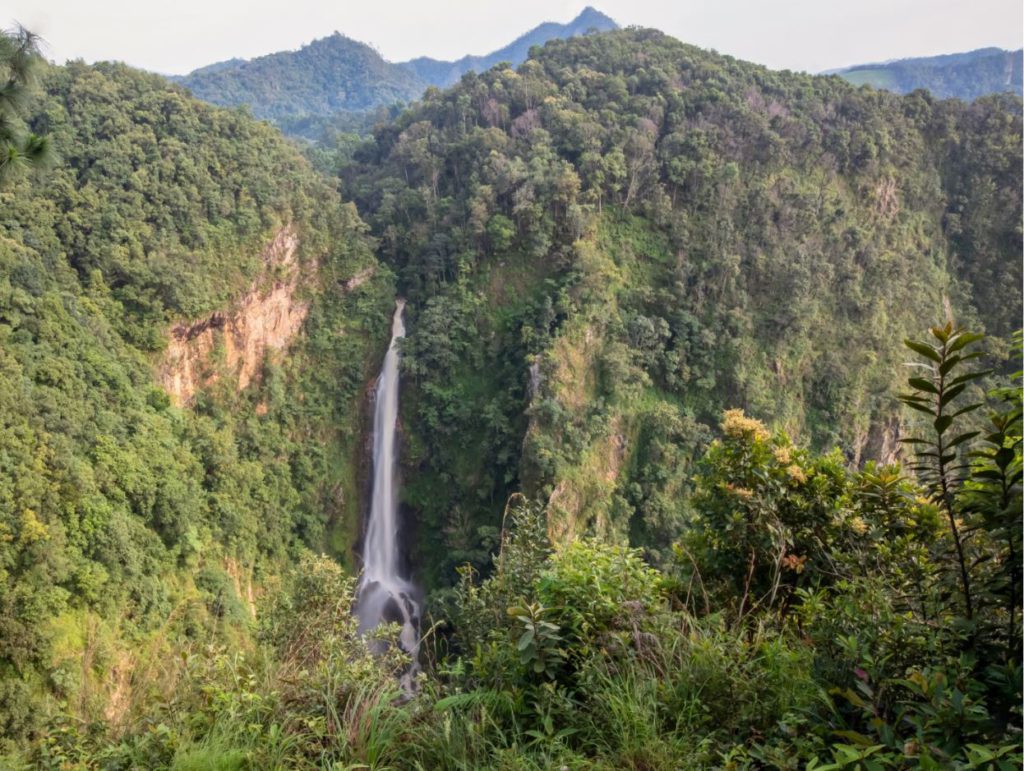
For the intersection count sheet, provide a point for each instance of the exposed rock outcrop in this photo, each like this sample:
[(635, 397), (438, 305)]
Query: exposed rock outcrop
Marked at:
[(881, 442), (266, 318)]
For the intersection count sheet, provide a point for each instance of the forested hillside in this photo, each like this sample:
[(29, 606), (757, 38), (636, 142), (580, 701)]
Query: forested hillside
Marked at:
[(675, 499), (964, 76), (128, 526), (605, 248), (331, 75), (336, 85)]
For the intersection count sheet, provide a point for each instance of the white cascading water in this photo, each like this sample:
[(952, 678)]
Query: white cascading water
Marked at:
[(384, 595)]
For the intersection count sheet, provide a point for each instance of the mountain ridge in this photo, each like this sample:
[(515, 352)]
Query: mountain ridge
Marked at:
[(337, 74), (962, 75), (445, 73), (328, 75), (956, 57)]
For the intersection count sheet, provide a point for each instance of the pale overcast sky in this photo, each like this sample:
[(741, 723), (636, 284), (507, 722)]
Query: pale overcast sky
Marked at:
[(176, 36)]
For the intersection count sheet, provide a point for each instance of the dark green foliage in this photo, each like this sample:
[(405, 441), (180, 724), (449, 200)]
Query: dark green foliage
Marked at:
[(328, 76), (171, 199), (941, 466), (964, 76), (126, 522), (585, 656), (856, 653), (982, 217), (628, 235), (992, 497), (979, 490), (768, 518), (540, 644)]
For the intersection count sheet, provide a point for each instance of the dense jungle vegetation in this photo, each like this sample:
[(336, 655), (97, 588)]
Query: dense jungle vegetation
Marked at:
[(606, 248), (655, 406), (122, 516)]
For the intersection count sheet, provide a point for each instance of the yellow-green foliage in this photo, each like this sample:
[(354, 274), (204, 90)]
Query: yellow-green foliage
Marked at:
[(131, 529)]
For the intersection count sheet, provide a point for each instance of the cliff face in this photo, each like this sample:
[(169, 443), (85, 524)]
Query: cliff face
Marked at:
[(234, 343)]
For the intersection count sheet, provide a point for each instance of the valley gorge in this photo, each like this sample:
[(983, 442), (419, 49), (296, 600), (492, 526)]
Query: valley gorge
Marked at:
[(643, 489)]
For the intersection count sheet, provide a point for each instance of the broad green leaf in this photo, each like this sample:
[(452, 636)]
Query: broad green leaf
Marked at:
[(961, 439), (919, 407), (968, 377), (988, 474), (951, 393), (968, 408), (948, 364), (1004, 457), (924, 349), (859, 739), (964, 338), (923, 385)]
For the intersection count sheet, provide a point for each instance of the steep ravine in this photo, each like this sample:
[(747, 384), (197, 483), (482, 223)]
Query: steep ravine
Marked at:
[(234, 343)]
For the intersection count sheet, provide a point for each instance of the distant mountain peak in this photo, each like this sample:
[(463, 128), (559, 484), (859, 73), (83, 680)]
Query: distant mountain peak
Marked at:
[(326, 76), (442, 73), (591, 14), (335, 73)]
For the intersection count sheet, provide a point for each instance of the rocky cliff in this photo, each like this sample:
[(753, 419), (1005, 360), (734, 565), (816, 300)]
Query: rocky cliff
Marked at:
[(234, 343)]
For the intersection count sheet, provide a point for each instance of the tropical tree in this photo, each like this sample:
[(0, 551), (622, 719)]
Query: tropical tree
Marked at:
[(20, 149)]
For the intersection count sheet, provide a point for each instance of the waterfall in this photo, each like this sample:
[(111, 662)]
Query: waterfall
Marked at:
[(384, 594)]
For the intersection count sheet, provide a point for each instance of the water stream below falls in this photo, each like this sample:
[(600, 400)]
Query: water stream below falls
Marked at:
[(385, 595)]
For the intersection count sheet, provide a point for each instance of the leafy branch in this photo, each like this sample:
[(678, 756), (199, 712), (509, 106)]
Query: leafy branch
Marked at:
[(940, 464)]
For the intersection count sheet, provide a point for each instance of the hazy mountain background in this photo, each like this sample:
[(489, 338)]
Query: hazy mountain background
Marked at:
[(337, 85), (342, 78), (962, 75), (329, 75), (441, 73)]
